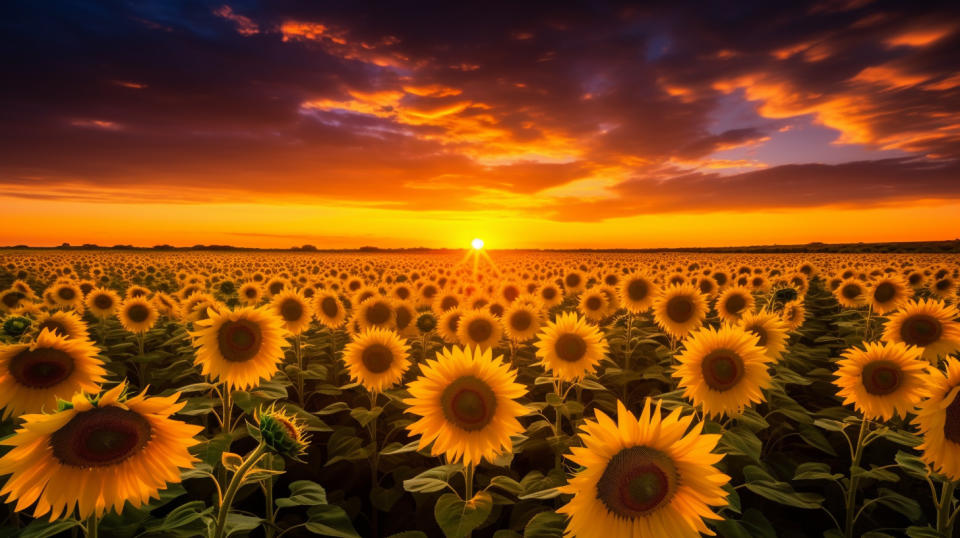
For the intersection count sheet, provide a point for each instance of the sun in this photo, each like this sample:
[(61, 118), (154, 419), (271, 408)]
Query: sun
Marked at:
[(477, 243)]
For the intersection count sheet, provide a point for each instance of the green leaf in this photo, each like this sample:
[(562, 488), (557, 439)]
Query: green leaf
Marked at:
[(812, 436), (303, 493), (507, 484), (899, 437), (383, 498), (922, 532), (458, 518), (901, 503), (542, 494), (547, 524), (779, 492), (432, 480), (753, 524), (330, 520), (365, 416), (740, 441), (911, 464), (41, 528), (874, 473), (240, 522), (815, 471), (590, 384)]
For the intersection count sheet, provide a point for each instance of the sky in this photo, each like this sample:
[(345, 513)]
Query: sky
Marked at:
[(346, 124)]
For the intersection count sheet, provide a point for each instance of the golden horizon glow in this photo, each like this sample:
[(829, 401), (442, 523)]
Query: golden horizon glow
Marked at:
[(477, 243)]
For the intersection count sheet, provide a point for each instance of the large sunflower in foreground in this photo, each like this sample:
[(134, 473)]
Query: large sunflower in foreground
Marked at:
[(644, 478), (65, 323), (771, 331), (96, 455), (34, 376), (928, 324), (377, 358), (723, 370), (465, 400), (882, 379), (938, 419), (679, 309), (570, 348), (241, 347)]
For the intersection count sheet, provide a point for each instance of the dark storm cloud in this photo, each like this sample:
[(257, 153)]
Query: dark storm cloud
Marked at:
[(387, 104)]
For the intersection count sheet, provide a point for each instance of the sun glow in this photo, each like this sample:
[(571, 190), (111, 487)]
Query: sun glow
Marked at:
[(477, 243)]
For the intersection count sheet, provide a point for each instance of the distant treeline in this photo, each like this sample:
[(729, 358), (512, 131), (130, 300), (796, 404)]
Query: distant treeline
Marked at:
[(851, 248)]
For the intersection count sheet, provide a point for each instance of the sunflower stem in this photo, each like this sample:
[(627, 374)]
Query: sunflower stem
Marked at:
[(944, 521), (374, 466), (270, 528), (299, 353), (854, 480), (235, 482), (92, 528), (468, 479)]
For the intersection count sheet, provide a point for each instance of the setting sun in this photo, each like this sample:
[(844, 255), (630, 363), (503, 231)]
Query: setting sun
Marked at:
[(477, 243)]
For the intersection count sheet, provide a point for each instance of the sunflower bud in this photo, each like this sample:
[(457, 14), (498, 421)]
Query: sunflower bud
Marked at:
[(16, 326), (282, 433)]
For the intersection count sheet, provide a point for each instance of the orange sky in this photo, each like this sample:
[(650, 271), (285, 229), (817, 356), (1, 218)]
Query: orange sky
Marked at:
[(224, 124)]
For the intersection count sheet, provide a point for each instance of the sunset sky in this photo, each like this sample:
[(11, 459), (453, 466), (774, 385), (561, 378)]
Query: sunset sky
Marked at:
[(344, 124)]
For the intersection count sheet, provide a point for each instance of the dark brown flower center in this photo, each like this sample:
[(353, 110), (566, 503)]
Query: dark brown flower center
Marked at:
[(138, 313), (722, 369), (735, 303), (548, 293), (239, 340), (41, 368), (377, 358), (453, 322), (570, 347), (12, 298), (329, 307), (637, 481), (881, 377), (291, 309), (680, 309), (103, 301), (54, 326), (920, 330), (404, 318), (521, 320), (378, 313), (572, 280), (66, 293), (469, 403), (637, 290), (275, 287), (851, 291), (594, 303), (951, 426), (884, 292), (100, 437), (250, 292), (479, 330)]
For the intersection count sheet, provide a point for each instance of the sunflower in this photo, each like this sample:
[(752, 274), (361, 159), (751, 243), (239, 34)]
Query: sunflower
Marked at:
[(574, 282), (733, 303), (794, 314), (637, 292), (550, 296), (66, 324), (166, 304), (291, 306), (96, 454), (282, 433), (377, 358), (723, 370), (102, 302), (11, 299), (646, 477), (521, 321), (241, 347), (66, 295), (445, 303), (594, 304), (570, 348), (447, 325), (851, 293), (466, 401), (928, 324), (137, 315), (406, 315), (886, 294), (375, 312), (881, 379), (250, 293), (771, 331), (34, 376), (329, 310), (679, 309), (938, 419), (479, 328)]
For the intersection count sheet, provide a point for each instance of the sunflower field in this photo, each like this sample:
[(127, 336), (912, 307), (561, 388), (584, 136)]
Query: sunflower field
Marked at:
[(511, 394)]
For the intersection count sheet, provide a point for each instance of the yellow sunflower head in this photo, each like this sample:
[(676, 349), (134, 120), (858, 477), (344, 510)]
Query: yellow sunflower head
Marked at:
[(679, 309), (521, 321), (137, 315), (448, 324), (479, 328), (887, 293), (550, 295), (723, 370), (375, 311), (102, 302), (377, 358), (466, 403), (291, 306), (329, 310), (938, 419), (637, 292), (734, 303), (66, 324), (250, 293), (771, 331), (882, 379), (97, 454), (34, 376), (239, 348), (927, 324), (793, 314), (570, 348), (66, 294), (594, 304), (405, 314), (652, 476), (851, 293)]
